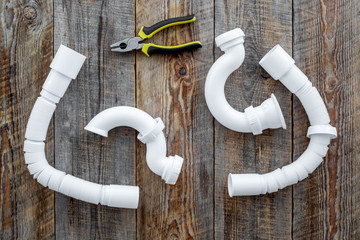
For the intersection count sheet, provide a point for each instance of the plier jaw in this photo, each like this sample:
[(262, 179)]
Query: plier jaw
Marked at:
[(127, 45)]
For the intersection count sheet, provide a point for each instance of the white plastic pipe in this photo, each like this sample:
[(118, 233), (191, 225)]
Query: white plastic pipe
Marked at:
[(150, 133), (267, 115), (282, 67), (65, 67)]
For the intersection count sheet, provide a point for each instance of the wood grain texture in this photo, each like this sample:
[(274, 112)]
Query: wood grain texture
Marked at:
[(172, 87), (106, 80), (26, 208), (268, 216), (327, 49), (324, 37)]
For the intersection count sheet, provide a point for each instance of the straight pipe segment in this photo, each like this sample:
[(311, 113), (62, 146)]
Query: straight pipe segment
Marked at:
[(255, 120), (282, 67)]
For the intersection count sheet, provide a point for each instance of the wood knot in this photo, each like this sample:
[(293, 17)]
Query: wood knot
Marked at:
[(182, 71), (29, 13)]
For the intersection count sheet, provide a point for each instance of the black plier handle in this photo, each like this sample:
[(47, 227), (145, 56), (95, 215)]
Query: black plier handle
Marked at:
[(148, 49), (148, 32)]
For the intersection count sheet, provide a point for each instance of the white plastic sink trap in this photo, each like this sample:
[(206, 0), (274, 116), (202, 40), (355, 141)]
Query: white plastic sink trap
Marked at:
[(282, 67), (65, 67), (150, 134), (267, 115)]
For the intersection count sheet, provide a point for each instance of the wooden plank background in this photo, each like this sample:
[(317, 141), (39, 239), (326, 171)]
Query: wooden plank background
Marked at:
[(324, 39)]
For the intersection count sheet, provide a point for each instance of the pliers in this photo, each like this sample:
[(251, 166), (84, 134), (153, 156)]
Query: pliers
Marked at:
[(134, 43)]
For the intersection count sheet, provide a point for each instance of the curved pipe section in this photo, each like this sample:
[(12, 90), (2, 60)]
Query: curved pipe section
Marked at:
[(282, 67), (65, 67), (150, 133), (267, 115)]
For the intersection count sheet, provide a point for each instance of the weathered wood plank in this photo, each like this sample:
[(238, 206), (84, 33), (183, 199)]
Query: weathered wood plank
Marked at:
[(265, 24), (26, 29), (172, 87), (107, 79), (327, 49)]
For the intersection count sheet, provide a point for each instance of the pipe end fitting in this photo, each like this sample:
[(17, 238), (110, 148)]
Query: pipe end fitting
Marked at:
[(246, 184), (67, 62), (172, 169), (273, 115), (277, 62), (95, 130), (120, 196), (229, 39), (267, 115)]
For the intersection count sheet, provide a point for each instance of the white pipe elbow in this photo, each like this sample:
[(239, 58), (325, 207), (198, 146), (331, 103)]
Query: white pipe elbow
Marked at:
[(150, 133), (282, 67), (267, 115)]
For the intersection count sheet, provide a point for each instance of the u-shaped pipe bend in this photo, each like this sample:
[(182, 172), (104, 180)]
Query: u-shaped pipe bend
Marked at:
[(282, 67), (267, 115), (65, 67), (150, 134)]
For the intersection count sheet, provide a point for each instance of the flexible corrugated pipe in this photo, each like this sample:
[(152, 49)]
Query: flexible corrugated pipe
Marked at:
[(65, 67), (282, 67)]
